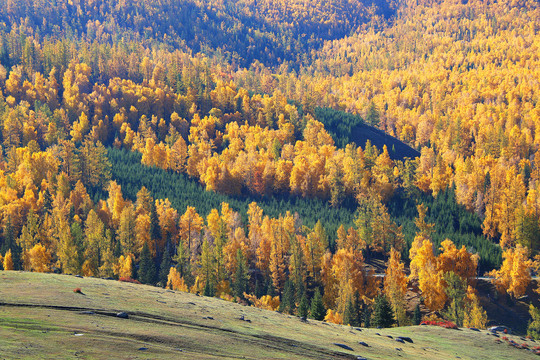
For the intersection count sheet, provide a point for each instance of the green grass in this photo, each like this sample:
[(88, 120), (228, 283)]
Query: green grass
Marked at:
[(40, 315)]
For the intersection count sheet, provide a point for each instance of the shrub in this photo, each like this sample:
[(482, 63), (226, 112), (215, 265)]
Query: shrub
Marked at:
[(129, 280), (445, 324), (77, 291)]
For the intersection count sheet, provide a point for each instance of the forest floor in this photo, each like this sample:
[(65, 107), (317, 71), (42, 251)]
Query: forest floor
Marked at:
[(42, 317)]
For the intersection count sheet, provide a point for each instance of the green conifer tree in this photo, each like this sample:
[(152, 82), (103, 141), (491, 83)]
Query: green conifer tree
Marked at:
[(303, 307), (165, 267), (241, 276), (147, 269), (318, 311), (287, 304), (417, 317), (383, 316)]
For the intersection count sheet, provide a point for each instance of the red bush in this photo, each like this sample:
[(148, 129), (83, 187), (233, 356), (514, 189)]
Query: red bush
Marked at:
[(505, 338), (445, 324), (129, 280), (77, 291)]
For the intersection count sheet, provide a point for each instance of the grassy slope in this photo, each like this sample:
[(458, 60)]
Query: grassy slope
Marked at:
[(174, 324)]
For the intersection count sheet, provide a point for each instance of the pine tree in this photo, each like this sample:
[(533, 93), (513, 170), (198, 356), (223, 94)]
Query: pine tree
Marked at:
[(303, 307), (155, 231), (209, 289), (367, 316), (417, 317), (353, 312), (287, 304), (182, 260), (318, 311), (372, 116), (383, 316), (147, 269), (456, 290), (241, 277), (165, 267)]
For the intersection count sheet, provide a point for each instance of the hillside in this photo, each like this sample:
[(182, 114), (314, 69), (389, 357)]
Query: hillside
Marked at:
[(42, 317), (272, 148)]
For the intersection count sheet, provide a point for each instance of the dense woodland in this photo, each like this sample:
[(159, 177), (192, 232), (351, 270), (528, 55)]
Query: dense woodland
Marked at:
[(219, 147)]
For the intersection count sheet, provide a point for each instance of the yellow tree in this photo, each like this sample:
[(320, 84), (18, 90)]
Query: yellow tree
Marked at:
[(95, 244), (430, 280), (513, 276), (190, 225), (255, 218), (461, 262), (175, 281), (475, 315), (8, 261), (395, 285), (125, 266), (347, 270), (127, 230), (142, 231), (265, 247), (316, 245), (40, 258)]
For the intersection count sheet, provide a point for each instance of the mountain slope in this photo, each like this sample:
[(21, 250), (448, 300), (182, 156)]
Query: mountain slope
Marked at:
[(40, 314)]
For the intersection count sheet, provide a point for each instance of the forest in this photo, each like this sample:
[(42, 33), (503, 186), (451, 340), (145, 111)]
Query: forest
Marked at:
[(270, 152)]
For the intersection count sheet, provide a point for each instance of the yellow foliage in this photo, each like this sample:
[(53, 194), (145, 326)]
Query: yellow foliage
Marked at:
[(395, 285), (223, 288), (513, 276), (124, 268), (475, 315), (40, 258), (333, 317), (266, 302), (8, 261), (198, 286), (175, 281)]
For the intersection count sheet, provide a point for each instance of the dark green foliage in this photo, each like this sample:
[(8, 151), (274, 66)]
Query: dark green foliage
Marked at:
[(154, 222), (353, 312), (339, 124), (287, 303), (182, 262), (303, 307), (165, 267), (10, 243), (452, 221), (456, 291), (372, 116), (182, 191), (77, 234), (347, 128), (367, 316), (209, 289), (260, 289), (147, 268), (318, 311), (241, 276), (383, 316), (417, 316)]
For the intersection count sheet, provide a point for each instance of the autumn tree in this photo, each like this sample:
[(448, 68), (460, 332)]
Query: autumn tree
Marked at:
[(40, 258), (395, 286), (513, 276)]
